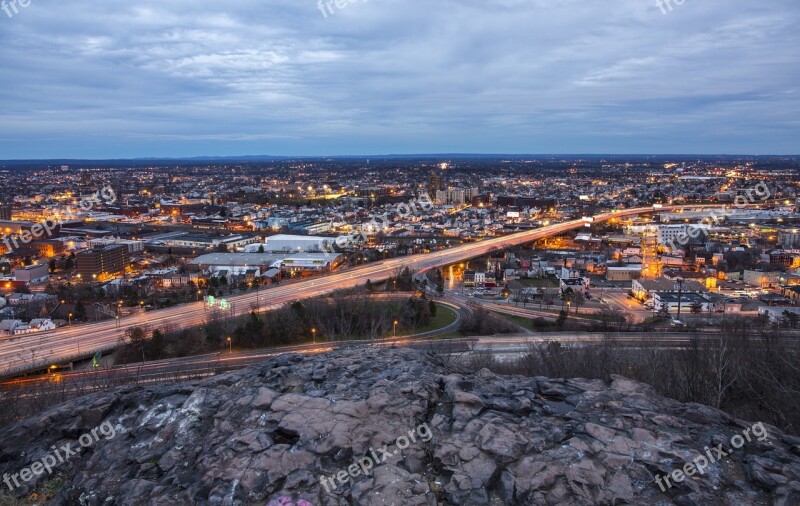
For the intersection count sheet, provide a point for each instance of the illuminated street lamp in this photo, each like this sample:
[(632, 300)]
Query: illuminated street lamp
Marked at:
[(314, 334), (394, 332), (230, 345), (69, 318)]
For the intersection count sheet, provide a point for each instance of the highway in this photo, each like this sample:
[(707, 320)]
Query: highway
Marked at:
[(37, 351)]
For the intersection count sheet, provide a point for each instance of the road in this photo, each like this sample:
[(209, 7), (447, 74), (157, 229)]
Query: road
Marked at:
[(199, 366), (530, 312), (33, 352), (618, 299)]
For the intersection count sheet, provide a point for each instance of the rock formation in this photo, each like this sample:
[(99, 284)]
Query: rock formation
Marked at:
[(270, 432)]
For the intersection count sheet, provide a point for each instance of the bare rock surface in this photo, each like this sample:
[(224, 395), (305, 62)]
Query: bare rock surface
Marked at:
[(271, 431)]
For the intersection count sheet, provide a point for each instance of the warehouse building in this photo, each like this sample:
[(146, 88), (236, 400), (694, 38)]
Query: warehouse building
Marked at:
[(284, 243), (293, 263)]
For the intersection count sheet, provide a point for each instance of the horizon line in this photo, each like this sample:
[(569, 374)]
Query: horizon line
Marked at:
[(389, 155)]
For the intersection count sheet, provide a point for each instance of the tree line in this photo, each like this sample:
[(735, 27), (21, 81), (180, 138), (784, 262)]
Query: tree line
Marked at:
[(749, 370)]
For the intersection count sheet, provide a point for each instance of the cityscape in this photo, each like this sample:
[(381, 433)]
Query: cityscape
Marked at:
[(98, 245), (346, 252)]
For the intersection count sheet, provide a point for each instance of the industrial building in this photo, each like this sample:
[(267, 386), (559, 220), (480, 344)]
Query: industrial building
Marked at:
[(32, 274), (284, 243), (240, 263)]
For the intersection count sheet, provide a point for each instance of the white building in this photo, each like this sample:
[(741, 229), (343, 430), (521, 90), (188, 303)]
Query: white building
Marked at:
[(673, 234), (241, 263), (686, 302), (32, 274), (7, 327), (761, 279), (17, 327), (575, 284), (133, 246), (293, 244), (42, 324)]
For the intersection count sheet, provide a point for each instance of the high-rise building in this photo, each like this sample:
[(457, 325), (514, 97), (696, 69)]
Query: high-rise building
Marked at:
[(435, 183), (101, 261)]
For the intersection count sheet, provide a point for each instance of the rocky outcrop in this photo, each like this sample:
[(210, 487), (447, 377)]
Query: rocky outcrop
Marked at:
[(269, 433)]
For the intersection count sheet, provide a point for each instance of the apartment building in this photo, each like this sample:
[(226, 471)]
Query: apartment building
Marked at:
[(101, 261)]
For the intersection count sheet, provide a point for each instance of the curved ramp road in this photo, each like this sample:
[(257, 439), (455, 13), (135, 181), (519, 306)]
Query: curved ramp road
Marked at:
[(37, 351)]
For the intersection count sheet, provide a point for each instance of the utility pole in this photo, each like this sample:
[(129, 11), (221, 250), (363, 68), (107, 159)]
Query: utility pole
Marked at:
[(680, 296)]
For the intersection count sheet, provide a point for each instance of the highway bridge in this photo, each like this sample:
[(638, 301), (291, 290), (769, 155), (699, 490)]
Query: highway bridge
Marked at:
[(32, 352)]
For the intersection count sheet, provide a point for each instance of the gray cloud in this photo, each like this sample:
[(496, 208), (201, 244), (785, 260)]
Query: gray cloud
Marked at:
[(112, 78)]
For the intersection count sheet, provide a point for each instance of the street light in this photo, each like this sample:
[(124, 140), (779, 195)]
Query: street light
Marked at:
[(69, 319), (395, 328), (230, 345), (314, 334)]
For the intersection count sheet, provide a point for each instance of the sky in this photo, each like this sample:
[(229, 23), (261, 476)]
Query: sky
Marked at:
[(178, 78)]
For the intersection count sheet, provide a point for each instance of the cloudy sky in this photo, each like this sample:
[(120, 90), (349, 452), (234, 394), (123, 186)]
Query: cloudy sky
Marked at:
[(118, 79)]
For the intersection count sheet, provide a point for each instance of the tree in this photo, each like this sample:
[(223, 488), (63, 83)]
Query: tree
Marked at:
[(789, 319), (69, 262), (80, 311), (134, 335), (156, 345), (578, 299), (696, 307), (299, 311), (261, 249), (562, 318), (51, 265)]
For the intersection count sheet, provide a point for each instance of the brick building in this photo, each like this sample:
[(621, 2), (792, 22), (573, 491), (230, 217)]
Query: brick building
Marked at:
[(101, 261)]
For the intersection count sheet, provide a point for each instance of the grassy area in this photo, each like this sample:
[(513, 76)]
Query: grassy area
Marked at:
[(539, 283), (444, 317), (518, 320)]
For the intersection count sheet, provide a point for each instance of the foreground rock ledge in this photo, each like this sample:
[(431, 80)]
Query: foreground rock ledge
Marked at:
[(272, 430)]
